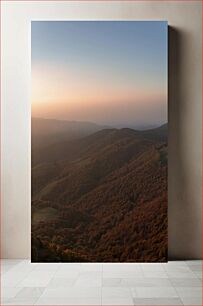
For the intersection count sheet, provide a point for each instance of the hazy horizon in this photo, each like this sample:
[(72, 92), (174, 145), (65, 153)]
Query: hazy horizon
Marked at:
[(117, 126), (106, 72)]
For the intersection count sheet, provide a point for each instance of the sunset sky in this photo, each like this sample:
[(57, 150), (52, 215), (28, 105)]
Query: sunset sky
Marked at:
[(112, 72)]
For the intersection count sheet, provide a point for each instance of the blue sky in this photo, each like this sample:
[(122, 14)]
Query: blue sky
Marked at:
[(89, 68)]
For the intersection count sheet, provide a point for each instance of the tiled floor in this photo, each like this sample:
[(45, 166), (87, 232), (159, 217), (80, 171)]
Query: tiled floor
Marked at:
[(173, 283)]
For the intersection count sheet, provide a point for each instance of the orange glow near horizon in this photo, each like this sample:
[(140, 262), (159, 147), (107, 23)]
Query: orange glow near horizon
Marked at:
[(103, 72), (57, 93)]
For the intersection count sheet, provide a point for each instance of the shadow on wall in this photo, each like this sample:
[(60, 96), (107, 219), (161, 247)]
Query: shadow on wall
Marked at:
[(184, 220)]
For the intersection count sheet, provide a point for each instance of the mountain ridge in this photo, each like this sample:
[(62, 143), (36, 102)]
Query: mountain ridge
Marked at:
[(88, 192)]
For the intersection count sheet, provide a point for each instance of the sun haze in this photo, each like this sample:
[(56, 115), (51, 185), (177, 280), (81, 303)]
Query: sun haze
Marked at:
[(107, 72)]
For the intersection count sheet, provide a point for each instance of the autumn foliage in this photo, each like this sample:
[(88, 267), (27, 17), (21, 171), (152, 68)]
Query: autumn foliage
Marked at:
[(101, 198)]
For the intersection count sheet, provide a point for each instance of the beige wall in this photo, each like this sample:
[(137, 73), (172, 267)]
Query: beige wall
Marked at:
[(184, 113)]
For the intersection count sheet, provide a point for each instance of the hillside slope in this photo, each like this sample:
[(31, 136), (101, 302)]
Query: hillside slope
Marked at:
[(50, 131), (109, 194)]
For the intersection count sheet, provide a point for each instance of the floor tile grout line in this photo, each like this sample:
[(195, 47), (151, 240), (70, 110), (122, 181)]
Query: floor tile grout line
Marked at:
[(16, 286), (175, 290), (102, 275), (167, 272), (102, 283), (14, 266), (47, 285)]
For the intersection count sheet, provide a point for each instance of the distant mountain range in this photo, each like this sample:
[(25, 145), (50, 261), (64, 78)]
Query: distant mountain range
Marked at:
[(49, 131), (46, 133), (98, 193)]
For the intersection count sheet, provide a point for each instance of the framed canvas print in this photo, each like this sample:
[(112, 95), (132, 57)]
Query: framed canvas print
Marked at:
[(99, 141)]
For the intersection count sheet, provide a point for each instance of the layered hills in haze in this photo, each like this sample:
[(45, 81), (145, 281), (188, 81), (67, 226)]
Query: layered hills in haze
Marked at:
[(99, 194), (49, 131)]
